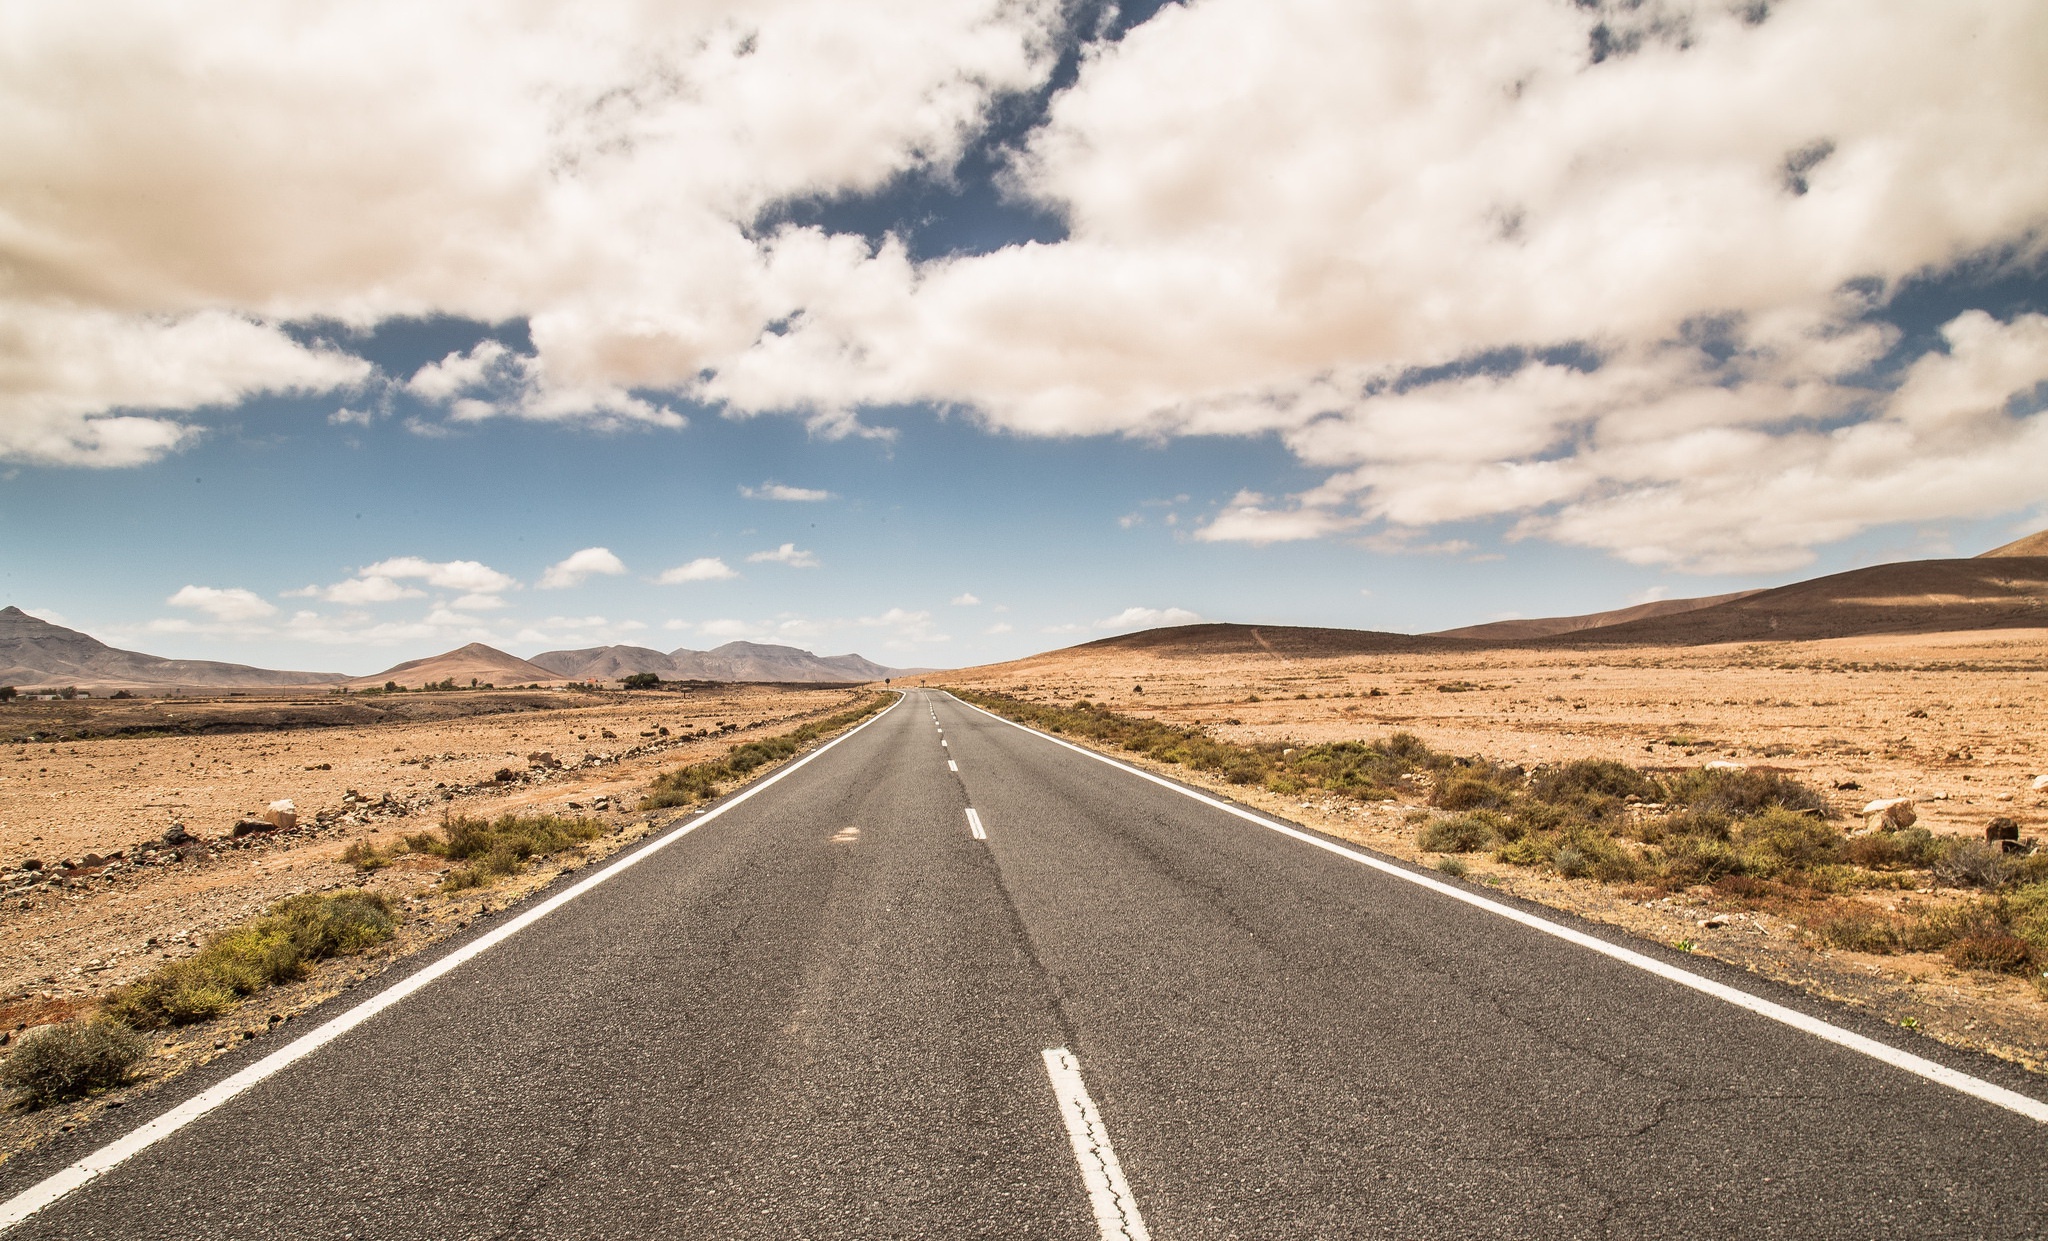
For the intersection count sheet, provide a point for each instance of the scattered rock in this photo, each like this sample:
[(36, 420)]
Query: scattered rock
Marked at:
[(176, 835), (2040, 783), (282, 815), (1891, 812), (249, 827), (2003, 833), (1722, 764)]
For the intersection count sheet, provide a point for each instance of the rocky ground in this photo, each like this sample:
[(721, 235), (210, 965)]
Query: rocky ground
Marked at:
[(117, 852)]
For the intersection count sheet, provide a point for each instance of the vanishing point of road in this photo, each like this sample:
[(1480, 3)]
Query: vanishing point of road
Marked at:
[(946, 977)]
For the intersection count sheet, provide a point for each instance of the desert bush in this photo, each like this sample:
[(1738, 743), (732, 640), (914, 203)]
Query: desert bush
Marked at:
[(365, 857), (1474, 791), (1453, 866), (1685, 860), (243, 960), (1913, 847), (1990, 946), (1740, 794), (1778, 840), (498, 847), (71, 1060), (1860, 930), (1463, 834), (1593, 788), (1972, 864), (2025, 910)]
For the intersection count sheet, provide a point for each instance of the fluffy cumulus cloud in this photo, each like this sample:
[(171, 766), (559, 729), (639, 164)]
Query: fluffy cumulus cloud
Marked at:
[(1612, 273), (581, 566), (229, 605), (702, 569), (789, 554)]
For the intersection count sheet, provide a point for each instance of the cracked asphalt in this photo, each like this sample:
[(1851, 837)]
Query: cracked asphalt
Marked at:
[(780, 1027)]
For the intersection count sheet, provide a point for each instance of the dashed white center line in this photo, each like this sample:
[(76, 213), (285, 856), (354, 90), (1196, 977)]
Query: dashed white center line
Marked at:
[(1116, 1211), (974, 824), (951, 765)]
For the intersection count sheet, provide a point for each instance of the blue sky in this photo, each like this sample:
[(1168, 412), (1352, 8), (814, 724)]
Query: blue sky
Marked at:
[(1066, 321)]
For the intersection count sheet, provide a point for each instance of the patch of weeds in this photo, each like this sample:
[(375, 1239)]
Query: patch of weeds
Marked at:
[(683, 786), (275, 948), (365, 857), (494, 848), (1973, 864), (71, 1060), (1464, 834), (1453, 866)]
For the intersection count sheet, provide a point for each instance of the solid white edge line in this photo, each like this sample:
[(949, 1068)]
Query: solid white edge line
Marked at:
[(43, 1193), (951, 765), (1116, 1210), (1976, 1087), (974, 824)]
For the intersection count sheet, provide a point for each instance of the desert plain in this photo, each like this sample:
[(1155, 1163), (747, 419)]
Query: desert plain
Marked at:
[(1957, 722)]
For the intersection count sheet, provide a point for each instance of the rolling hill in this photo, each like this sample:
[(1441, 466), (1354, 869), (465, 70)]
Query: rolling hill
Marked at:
[(1551, 626), (487, 665), (36, 653), (735, 661)]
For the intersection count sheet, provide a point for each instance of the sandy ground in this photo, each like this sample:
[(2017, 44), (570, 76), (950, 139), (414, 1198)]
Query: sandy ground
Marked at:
[(107, 802), (1958, 722)]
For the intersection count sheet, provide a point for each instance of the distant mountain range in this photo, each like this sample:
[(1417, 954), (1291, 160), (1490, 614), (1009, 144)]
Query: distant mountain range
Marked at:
[(2005, 588), (35, 653), (735, 661)]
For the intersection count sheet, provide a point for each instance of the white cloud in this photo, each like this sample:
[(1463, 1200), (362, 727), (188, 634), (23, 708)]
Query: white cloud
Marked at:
[(1147, 618), (94, 387), (788, 554), (579, 566), (702, 569), (776, 491), (490, 380), (470, 576), (966, 600), (1001, 627), (1276, 211), (908, 629), (477, 603), (729, 630), (231, 604), (370, 588)]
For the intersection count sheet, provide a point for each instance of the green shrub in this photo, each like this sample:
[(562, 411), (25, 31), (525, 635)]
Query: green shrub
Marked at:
[(1463, 834), (1912, 847), (71, 1060), (1685, 860), (243, 960), (1860, 930), (1453, 866), (1778, 840), (1481, 791), (498, 847), (1740, 794), (1593, 788)]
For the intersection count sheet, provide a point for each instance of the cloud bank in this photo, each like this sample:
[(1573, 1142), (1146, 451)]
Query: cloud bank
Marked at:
[(1612, 274)]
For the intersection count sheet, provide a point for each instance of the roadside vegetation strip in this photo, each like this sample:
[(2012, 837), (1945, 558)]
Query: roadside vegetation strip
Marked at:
[(1756, 839), (697, 782), (33, 1199), (1919, 1066)]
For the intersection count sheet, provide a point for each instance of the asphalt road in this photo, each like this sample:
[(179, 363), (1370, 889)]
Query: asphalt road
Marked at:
[(826, 1014)]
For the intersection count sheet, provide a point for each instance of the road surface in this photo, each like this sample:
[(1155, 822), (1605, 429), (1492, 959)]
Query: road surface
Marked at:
[(1094, 1007)]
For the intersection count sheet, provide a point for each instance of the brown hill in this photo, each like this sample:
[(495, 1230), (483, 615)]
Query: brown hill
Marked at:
[(2035, 544), (1285, 641), (1912, 597), (36, 654), (486, 665), (735, 661), (1551, 626)]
